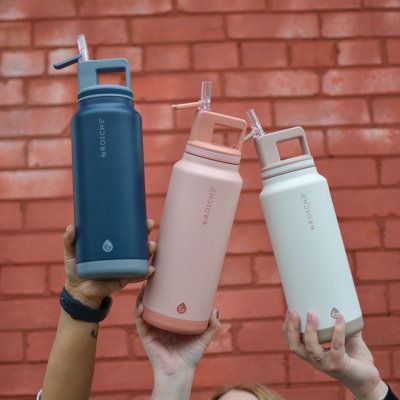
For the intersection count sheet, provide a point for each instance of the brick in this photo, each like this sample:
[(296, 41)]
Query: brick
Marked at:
[(381, 3), (256, 336), (302, 372), (124, 7), (368, 141), (382, 362), (63, 32), (50, 214), (39, 344), (313, 54), (156, 117), (56, 278), (54, 91), (266, 270), (348, 24), (172, 57), (236, 271), (22, 63), (390, 171), (48, 184), (361, 81), (348, 172), (30, 121), (386, 110), (133, 54), (163, 147), (264, 54), (55, 56), (313, 393), (394, 297), (392, 234), (122, 312), (393, 49), (23, 280), (250, 303), (315, 112), (380, 265), (396, 366), (381, 331), (12, 153), (177, 29), (11, 92), (250, 172), (155, 206), (208, 56), (359, 52), (32, 9), (249, 208), (249, 238), (157, 179), (366, 203), (263, 26), (220, 5), (373, 299), (49, 152), (360, 234), (20, 380), (304, 5), (37, 247), (11, 346), (29, 314), (257, 368), (112, 343), (123, 379), (276, 83), (173, 87), (11, 216), (15, 34)]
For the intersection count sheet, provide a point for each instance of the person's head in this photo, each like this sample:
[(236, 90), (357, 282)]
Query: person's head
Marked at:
[(245, 391)]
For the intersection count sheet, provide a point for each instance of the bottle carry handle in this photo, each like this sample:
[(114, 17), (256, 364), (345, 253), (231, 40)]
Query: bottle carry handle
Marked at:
[(205, 122)]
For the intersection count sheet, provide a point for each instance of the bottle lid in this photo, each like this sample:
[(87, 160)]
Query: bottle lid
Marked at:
[(267, 148), (200, 140), (89, 70)]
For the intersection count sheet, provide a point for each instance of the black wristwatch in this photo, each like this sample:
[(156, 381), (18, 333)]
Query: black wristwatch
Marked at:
[(79, 311)]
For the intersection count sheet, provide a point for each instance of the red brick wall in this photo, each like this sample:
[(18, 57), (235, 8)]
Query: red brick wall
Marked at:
[(332, 66)]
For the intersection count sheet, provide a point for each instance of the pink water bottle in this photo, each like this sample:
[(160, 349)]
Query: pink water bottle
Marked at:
[(195, 227)]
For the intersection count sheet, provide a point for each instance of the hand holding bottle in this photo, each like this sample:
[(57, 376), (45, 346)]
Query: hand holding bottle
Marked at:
[(91, 292), (348, 359)]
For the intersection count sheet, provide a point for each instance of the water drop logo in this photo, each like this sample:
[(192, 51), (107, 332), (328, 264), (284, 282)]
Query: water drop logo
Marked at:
[(335, 312), (107, 246), (181, 308)]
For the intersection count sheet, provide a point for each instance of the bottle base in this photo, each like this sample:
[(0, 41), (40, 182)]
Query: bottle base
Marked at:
[(352, 327), (174, 324), (113, 269)]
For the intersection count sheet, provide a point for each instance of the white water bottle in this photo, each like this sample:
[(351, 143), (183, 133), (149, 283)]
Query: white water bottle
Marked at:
[(304, 233)]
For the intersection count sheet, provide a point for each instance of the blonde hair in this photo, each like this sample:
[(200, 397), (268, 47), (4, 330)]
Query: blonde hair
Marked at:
[(260, 391)]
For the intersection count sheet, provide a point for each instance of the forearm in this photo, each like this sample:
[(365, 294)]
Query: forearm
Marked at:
[(70, 367), (378, 392), (172, 387)]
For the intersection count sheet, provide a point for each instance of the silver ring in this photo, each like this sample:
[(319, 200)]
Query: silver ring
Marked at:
[(321, 357)]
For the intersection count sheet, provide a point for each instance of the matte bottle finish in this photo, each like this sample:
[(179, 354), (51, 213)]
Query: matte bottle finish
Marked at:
[(108, 176), (197, 219), (305, 237)]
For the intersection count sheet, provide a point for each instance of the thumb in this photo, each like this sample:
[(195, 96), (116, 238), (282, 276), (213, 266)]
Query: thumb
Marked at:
[(212, 329)]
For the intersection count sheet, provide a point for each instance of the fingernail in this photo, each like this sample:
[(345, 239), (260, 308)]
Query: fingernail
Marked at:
[(309, 317), (340, 318), (291, 315), (139, 310)]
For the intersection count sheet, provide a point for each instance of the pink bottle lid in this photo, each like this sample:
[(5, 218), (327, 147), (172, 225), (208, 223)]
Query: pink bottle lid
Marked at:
[(200, 140)]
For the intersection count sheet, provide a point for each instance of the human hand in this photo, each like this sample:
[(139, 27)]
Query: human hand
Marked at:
[(91, 292), (172, 353), (348, 359)]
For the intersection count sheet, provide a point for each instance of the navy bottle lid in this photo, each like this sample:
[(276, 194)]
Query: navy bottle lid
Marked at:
[(89, 70)]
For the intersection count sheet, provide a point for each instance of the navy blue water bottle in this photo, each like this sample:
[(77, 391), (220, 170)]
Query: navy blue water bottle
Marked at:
[(108, 171)]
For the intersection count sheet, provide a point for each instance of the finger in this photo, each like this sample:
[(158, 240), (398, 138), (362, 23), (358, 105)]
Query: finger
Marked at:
[(141, 327), (140, 295), (69, 242), (151, 246), (150, 225), (338, 349), (314, 349), (291, 332), (212, 328)]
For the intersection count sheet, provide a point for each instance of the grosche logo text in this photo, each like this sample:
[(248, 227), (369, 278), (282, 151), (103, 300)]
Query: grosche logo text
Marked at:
[(102, 138), (209, 205), (307, 209), (107, 246)]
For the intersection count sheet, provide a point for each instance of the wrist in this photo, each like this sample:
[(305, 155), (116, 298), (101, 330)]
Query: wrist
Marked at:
[(92, 301), (172, 386), (377, 392)]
